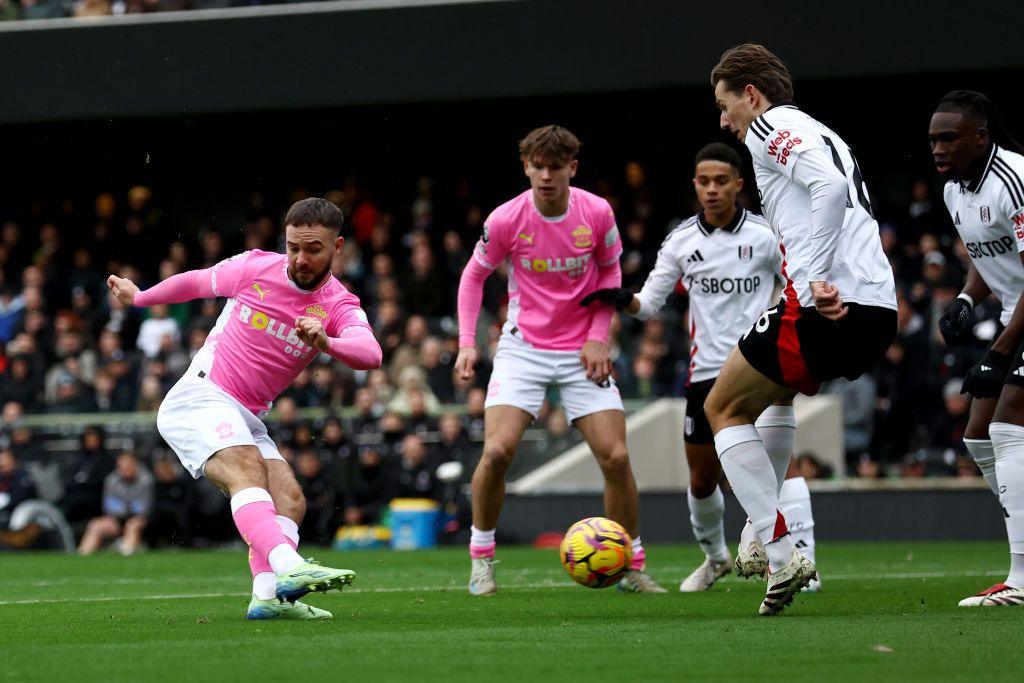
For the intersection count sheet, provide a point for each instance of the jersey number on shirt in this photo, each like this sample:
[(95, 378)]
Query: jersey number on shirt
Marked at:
[(858, 180)]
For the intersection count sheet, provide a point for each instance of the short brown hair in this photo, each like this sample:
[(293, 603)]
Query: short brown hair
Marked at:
[(549, 143), (756, 65), (314, 211)]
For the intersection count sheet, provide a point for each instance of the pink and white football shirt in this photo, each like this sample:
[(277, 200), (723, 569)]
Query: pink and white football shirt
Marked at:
[(553, 263), (254, 352)]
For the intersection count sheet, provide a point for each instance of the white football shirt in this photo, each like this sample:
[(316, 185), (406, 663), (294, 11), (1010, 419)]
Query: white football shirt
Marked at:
[(988, 212), (799, 164), (729, 274)]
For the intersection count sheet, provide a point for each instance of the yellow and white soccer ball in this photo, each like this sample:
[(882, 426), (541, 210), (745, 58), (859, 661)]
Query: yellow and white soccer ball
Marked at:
[(596, 552)]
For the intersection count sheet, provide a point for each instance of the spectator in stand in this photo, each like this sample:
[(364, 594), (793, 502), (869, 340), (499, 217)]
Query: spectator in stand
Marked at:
[(424, 289), (950, 423), (127, 505), (412, 385), (320, 521), (408, 352), (372, 490), (285, 421), (368, 411), (858, 401), (16, 487), (455, 443), (173, 498), (415, 476), (19, 385), (868, 468), (473, 420), (439, 367), (83, 496), (154, 328)]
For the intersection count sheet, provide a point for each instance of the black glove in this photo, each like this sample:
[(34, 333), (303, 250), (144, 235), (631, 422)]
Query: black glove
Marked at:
[(955, 323), (617, 297), (985, 379)]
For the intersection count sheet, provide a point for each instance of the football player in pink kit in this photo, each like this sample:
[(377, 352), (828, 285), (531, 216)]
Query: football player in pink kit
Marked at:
[(281, 311), (560, 243)]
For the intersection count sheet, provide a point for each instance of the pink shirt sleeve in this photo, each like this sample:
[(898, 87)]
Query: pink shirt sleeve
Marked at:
[(195, 284), (491, 249), (229, 274), (609, 246), (350, 338)]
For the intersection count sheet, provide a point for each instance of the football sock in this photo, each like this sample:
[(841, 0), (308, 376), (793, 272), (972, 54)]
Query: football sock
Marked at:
[(481, 543), (795, 505), (707, 520), (254, 515), (752, 476), (1016, 577), (639, 556), (264, 580), (1008, 444), (985, 459), (777, 427)]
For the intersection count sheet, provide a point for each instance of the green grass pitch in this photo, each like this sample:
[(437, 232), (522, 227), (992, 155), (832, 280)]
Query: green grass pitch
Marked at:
[(887, 612)]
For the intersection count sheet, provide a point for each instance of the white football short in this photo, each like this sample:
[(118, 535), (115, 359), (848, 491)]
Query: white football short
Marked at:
[(522, 375), (197, 418)]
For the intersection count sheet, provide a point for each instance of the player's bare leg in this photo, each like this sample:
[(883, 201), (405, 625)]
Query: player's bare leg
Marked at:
[(738, 398), (241, 472), (605, 433), (707, 508), (1006, 431), (503, 430)]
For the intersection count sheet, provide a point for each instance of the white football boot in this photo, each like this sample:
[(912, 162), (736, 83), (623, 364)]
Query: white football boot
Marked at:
[(481, 579), (706, 575), (785, 583), (751, 559), (999, 595), (639, 581)]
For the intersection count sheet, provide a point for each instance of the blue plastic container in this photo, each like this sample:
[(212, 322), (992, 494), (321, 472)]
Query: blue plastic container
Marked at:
[(414, 523)]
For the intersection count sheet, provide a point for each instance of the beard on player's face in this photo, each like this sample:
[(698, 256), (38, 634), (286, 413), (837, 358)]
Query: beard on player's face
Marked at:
[(309, 276)]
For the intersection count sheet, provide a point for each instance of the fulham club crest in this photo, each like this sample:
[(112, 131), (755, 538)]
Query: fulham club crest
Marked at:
[(986, 215), (746, 253)]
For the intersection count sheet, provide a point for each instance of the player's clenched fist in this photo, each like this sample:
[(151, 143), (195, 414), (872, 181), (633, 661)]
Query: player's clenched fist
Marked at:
[(465, 361), (123, 289), (311, 332)]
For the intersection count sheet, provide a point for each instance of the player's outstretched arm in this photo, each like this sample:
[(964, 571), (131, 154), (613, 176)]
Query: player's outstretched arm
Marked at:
[(195, 284), (355, 346)]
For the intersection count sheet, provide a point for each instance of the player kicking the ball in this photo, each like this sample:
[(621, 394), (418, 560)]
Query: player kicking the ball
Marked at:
[(838, 313), (984, 193), (281, 311), (728, 261), (560, 242)]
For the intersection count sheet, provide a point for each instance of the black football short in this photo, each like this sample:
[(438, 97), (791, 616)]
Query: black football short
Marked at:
[(697, 429), (797, 347)]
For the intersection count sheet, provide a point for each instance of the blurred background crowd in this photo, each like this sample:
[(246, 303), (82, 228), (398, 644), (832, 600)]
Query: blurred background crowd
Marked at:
[(13, 10), (72, 358)]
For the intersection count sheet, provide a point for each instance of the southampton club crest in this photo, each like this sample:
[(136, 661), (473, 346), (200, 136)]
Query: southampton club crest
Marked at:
[(746, 252)]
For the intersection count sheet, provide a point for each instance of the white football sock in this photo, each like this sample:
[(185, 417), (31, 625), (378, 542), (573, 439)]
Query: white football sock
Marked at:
[(795, 505), (1008, 444), (1016, 577), (264, 586), (707, 520), (777, 427), (752, 476), (984, 457), (480, 538)]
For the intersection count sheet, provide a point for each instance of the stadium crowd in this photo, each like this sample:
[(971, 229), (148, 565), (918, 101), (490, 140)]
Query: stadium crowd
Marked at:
[(66, 347), (13, 10)]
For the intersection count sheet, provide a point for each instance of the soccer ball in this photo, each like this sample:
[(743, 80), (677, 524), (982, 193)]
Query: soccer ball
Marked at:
[(595, 552)]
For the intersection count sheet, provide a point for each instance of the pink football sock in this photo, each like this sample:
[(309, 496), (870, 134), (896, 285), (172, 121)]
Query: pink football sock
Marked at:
[(255, 518)]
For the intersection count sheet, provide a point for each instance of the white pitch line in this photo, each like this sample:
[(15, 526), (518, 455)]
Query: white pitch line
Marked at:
[(459, 588)]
